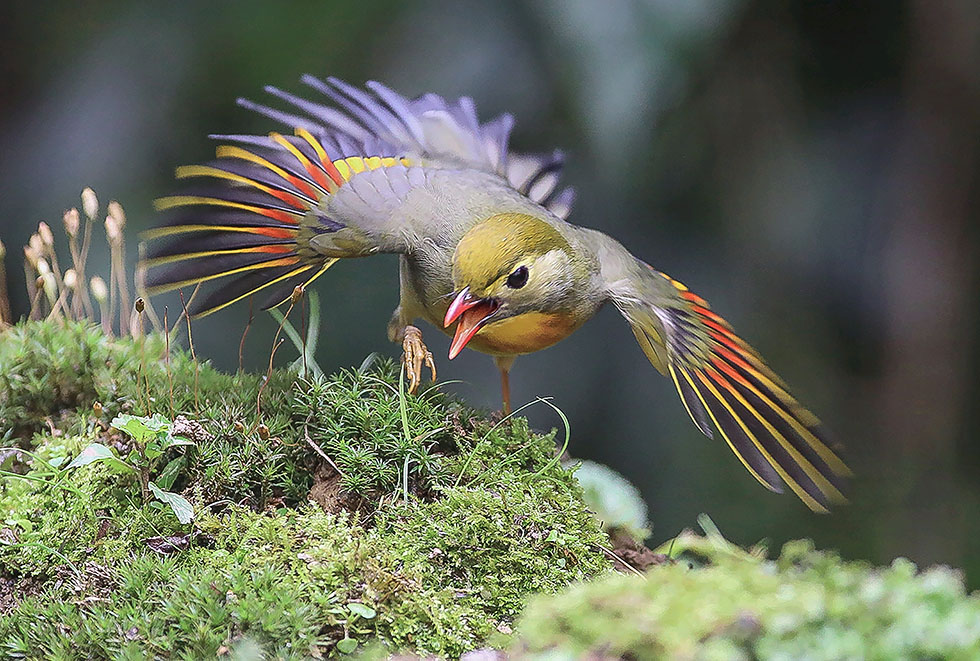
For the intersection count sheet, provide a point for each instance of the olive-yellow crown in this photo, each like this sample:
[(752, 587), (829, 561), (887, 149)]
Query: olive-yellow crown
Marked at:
[(495, 247)]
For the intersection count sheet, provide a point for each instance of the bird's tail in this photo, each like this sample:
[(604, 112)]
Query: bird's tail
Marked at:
[(724, 383), (243, 226)]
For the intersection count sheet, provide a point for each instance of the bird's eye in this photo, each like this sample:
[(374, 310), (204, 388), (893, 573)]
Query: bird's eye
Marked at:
[(518, 278)]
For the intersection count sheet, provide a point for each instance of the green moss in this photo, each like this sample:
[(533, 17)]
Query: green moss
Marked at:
[(341, 514), (357, 421), (728, 604), (51, 367), (437, 527)]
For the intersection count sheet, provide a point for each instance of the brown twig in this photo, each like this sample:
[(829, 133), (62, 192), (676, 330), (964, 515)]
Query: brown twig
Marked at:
[(319, 451), (615, 557), (139, 306), (302, 311), (113, 295), (139, 278), (166, 359), (241, 344), (190, 302), (276, 342), (47, 282), (6, 317)]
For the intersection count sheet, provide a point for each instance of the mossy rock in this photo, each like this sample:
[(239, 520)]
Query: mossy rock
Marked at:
[(720, 602), (335, 512)]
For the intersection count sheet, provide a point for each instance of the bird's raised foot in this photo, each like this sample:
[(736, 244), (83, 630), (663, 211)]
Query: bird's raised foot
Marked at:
[(415, 355)]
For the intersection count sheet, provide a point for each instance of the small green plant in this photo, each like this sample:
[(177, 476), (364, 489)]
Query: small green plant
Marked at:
[(306, 345), (151, 437)]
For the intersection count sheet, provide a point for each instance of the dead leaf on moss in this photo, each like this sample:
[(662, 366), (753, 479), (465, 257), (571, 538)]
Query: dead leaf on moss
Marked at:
[(189, 429), (169, 544), (105, 524), (327, 490), (631, 555)]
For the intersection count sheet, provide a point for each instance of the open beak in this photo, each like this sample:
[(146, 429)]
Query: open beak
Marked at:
[(472, 313)]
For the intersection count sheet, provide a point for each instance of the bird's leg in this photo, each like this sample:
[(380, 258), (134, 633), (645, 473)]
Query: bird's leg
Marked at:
[(504, 364), (415, 355)]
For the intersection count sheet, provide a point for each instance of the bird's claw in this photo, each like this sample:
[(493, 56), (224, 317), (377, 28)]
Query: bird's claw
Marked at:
[(416, 355)]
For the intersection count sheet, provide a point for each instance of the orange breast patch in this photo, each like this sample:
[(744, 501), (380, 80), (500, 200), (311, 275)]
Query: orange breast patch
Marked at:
[(526, 333)]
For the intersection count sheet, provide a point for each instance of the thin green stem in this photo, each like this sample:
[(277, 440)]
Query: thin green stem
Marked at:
[(472, 453), (44, 547), (568, 434)]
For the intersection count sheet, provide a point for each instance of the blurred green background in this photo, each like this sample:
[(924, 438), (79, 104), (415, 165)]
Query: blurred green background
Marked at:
[(810, 167)]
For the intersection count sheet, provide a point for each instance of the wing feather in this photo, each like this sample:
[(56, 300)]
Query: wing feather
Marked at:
[(720, 377), (275, 210)]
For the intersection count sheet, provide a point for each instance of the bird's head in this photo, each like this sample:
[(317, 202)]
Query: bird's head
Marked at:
[(508, 265)]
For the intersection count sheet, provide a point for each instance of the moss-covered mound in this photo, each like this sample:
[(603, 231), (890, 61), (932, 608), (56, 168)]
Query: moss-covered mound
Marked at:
[(325, 512), (724, 603), (151, 506)]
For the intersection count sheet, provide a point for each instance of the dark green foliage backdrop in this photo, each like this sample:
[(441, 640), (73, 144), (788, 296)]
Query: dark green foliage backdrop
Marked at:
[(809, 167)]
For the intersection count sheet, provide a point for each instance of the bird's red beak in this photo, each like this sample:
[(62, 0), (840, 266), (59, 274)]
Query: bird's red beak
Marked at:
[(472, 313)]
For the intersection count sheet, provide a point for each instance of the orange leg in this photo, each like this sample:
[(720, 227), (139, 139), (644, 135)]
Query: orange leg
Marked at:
[(503, 364)]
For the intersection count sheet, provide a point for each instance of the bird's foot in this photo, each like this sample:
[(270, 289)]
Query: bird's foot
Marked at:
[(415, 355)]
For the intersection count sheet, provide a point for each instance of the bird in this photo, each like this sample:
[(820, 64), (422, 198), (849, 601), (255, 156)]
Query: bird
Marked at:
[(485, 254)]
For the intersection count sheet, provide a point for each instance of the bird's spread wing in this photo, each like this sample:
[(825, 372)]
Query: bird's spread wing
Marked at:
[(271, 212), (724, 383), (430, 130)]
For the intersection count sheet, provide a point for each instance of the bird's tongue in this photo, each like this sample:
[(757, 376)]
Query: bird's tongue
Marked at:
[(469, 324)]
